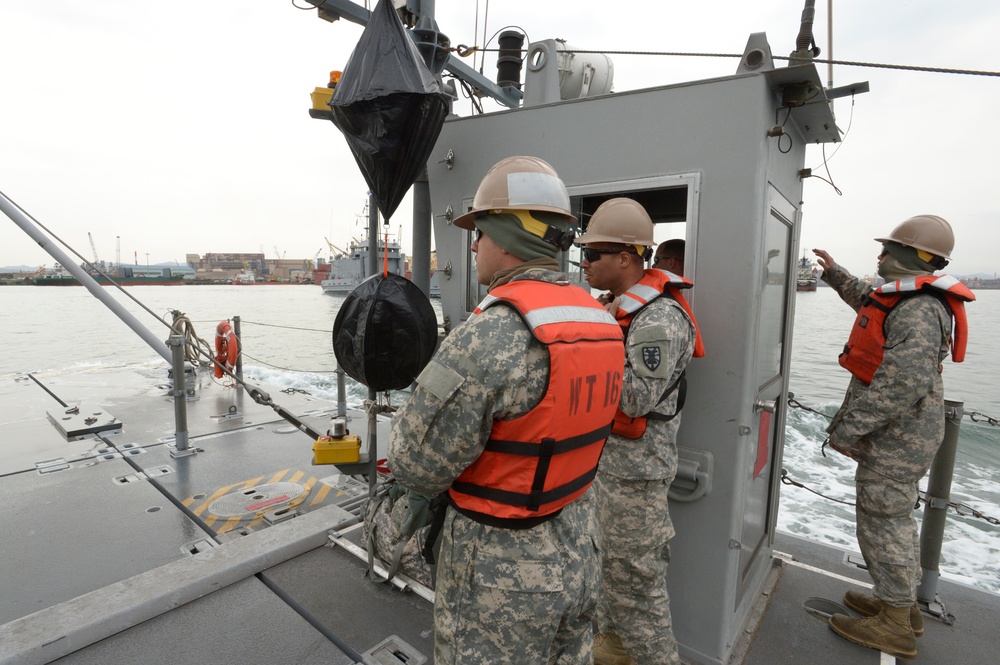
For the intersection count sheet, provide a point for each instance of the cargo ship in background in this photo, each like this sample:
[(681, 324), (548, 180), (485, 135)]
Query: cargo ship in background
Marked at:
[(347, 269), (123, 276), (808, 275)]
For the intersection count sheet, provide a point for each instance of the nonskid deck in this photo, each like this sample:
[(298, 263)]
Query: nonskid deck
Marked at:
[(118, 549)]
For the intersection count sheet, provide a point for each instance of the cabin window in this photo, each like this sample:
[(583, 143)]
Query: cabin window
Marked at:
[(671, 202), (773, 297)]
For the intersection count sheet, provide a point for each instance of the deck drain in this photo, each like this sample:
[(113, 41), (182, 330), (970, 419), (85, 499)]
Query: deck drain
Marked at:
[(255, 499)]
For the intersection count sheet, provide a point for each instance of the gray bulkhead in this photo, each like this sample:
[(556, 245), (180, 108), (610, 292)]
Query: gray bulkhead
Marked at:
[(696, 154)]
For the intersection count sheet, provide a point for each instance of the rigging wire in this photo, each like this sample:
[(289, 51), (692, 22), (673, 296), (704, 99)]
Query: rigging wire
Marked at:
[(287, 369), (961, 509), (975, 416), (829, 176), (850, 122), (88, 263), (475, 36), (848, 63), (274, 325), (486, 22), (826, 160)]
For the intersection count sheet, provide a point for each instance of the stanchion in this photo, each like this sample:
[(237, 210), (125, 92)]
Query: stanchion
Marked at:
[(176, 345), (936, 506)]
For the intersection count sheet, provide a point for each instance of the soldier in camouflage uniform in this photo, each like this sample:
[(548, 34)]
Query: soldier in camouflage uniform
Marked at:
[(892, 418), (517, 589), (640, 458)]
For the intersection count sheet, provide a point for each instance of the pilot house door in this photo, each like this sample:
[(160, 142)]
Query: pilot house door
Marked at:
[(767, 420)]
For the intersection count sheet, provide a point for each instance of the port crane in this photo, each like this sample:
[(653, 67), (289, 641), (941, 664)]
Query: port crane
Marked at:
[(334, 250), (97, 265), (93, 248)]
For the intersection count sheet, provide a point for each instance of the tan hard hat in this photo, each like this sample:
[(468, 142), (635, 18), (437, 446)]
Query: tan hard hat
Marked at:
[(518, 183), (619, 220), (927, 232)]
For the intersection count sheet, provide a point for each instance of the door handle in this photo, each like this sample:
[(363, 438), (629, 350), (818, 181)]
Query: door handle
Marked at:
[(768, 405)]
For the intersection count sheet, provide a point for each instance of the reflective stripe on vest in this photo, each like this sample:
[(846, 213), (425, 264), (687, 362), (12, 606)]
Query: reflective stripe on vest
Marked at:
[(864, 351), (654, 284), (537, 463)]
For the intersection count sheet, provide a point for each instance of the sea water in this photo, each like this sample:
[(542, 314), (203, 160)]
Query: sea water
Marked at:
[(971, 551), (287, 335)]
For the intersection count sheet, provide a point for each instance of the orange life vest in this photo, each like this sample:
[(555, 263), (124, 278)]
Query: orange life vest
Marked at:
[(227, 348), (654, 283), (865, 347), (537, 463)]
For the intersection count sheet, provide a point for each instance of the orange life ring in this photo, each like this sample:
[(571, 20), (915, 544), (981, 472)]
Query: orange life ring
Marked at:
[(227, 348)]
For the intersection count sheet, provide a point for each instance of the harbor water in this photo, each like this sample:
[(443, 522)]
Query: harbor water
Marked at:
[(286, 332)]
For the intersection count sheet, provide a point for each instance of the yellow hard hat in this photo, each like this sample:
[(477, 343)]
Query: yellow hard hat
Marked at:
[(619, 220), (929, 233), (518, 183)]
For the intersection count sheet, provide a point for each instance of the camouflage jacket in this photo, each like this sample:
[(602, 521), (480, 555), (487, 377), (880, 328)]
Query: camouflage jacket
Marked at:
[(662, 325), (895, 425), (489, 368)]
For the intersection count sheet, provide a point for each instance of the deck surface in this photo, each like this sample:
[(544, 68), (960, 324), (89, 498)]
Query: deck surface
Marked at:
[(115, 549)]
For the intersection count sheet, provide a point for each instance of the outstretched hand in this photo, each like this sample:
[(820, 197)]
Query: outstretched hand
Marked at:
[(824, 259)]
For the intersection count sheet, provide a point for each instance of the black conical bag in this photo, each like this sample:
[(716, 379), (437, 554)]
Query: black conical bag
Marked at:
[(389, 107), (385, 332)]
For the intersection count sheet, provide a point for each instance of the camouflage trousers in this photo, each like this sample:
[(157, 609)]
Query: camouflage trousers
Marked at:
[(634, 604), (888, 536), (517, 595)]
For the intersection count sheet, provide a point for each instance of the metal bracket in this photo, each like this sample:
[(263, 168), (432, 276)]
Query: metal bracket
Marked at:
[(855, 560), (50, 465), (953, 412), (229, 415), (280, 515), (694, 475), (449, 161)]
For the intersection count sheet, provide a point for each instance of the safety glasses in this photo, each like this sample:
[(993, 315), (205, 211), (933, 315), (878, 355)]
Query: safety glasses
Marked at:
[(592, 255)]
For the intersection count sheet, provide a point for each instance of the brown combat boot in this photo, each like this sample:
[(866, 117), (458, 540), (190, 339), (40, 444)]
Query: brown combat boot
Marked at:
[(868, 605), (888, 631), (608, 650)]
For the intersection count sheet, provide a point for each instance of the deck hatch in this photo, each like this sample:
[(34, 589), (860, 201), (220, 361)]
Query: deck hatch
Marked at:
[(254, 499), (394, 651)]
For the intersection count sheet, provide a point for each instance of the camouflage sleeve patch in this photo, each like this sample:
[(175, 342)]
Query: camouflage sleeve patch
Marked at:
[(439, 380), (649, 351), (660, 343)]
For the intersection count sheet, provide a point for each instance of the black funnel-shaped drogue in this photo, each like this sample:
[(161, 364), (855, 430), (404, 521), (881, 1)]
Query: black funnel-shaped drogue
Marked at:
[(389, 107), (385, 332)]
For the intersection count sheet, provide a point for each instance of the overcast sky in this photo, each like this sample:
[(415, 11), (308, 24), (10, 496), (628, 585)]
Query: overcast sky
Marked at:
[(182, 127)]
